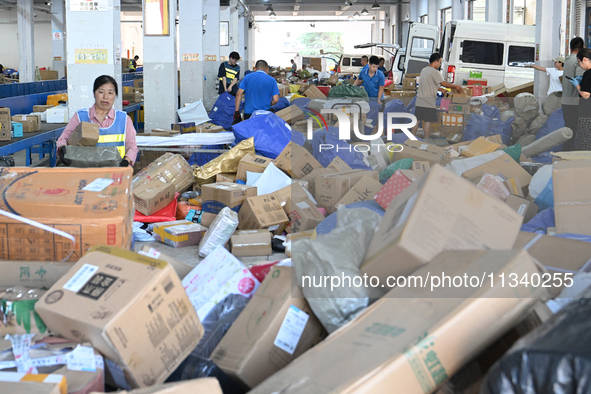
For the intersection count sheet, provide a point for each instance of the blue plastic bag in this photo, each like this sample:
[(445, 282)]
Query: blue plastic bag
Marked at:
[(373, 115), (546, 198), (222, 113), (555, 121), (491, 111), (483, 126), (201, 158), (540, 223), (325, 144), (328, 224), (271, 134), (302, 103), (281, 104)]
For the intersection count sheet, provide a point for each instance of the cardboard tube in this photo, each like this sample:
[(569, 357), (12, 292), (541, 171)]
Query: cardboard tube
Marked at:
[(551, 140)]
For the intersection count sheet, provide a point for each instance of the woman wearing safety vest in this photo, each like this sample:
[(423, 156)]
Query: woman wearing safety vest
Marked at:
[(115, 127)]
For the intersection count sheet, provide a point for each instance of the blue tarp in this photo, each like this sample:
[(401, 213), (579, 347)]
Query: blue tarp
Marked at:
[(540, 222), (326, 146), (555, 121), (222, 113), (281, 104), (271, 134), (483, 126), (491, 111)]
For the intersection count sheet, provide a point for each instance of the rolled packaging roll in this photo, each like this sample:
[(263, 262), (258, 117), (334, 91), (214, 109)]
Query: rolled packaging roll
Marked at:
[(553, 139)]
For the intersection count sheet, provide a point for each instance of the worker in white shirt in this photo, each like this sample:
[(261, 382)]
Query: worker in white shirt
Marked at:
[(554, 73)]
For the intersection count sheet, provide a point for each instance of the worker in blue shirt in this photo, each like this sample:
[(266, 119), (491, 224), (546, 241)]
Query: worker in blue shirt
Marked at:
[(381, 66), (261, 92), (373, 80)]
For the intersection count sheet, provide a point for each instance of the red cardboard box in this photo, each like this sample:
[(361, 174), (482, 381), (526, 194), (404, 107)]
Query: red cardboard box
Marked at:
[(395, 185)]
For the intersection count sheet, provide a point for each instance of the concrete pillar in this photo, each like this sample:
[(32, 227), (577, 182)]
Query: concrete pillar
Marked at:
[(458, 9), (211, 51), (433, 13), (93, 49), (242, 38), (496, 11), (58, 28), (160, 74), (548, 18), (403, 11), (235, 28), (26, 45), (191, 50)]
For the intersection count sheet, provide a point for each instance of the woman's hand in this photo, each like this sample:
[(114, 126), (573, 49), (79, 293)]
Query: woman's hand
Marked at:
[(585, 95)]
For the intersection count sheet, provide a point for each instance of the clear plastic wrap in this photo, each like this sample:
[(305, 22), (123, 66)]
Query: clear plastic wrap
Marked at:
[(179, 233), (93, 156), (219, 232), (494, 186), (17, 312)]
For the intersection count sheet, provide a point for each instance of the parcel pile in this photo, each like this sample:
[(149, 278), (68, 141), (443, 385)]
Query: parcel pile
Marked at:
[(82, 312)]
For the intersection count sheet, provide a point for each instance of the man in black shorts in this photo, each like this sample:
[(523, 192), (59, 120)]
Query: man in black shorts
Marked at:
[(430, 79)]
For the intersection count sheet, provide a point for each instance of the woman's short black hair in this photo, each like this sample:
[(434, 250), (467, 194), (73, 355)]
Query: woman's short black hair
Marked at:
[(103, 79), (584, 53)]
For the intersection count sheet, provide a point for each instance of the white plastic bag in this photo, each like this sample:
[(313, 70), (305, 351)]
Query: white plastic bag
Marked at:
[(272, 180), (219, 232), (193, 112)]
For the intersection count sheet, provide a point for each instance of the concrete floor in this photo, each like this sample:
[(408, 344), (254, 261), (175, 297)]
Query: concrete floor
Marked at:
[(190, 255)]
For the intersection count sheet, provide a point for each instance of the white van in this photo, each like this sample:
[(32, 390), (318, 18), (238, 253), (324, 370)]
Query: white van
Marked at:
[(350, 64), (498, 50)]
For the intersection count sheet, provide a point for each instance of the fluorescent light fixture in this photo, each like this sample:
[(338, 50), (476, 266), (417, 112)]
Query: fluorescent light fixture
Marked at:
[(273, 15), (376, 6), (356, 15), (365, 11)]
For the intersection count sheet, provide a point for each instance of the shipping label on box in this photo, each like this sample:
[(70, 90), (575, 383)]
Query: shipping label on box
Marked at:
[(217, 196), (457, 108), (453, 119), (261, 212)]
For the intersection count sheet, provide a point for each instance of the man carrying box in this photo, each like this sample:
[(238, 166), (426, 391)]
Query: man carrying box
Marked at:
[(426, 109)]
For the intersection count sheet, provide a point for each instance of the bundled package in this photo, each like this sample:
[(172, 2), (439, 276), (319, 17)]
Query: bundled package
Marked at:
[(179, 233), (219, 232)]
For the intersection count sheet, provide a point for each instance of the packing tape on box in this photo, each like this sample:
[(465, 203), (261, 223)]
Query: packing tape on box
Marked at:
[(43, 227)]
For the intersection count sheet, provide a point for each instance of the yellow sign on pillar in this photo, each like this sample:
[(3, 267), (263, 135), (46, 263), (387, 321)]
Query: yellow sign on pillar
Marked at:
[(91, 56), (190, 57)]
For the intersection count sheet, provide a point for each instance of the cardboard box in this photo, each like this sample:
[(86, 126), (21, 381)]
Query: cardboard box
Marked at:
[(338, 165), (261, 212), (570, 156), (493, 138), (364, 190), (41, 108), (252, 163), (514, 187), (296, 161), (304, 215), (316, 63), (168, 168), (16, 131), (181, 268), (453, 119), (21, 383), (184, 127), (5, 120), (132, 308), (420, 167), (216, 196), (415, 232), (503, 166), (314, 93), (290, 194), (409, 341), (522, 206), (227, 177), (37, 274), (30, 123), (179, 233), (525, 88), (446, 131), (163, 132), (301, 126), (200, 385), (409, 84), (314, 175), (399, 181), (457, 108), (260, 342), (332, 80), (291, 114), (48, 75), (208, 128), (572, 197), (550, 251), (331, 188), (57, 198), (251, 243), (86, 134), (215, 277), (421, 151), (152, 196), (133, 97), (138, 83), (455, 137), (283, 89), (462, 98)]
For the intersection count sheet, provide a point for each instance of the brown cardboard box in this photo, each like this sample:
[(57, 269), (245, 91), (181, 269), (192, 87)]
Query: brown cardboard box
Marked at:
[(296, 161), (409, 341), (132, 308), (332, 80), (35, 118), (304, 215), (414, 232), (37, 274), (181, 268), (315, 174), (216, 196), (453, 119), (253, 348), (514, 187), (225, 178), (48, 75), (331, 188), (252, 163), (572, 196), (58, 200), (301, 126), (5, 126), (420, 167), (458, 108), (409, 84), (56, 384), (364, 190), (289, 194), (208, 128), (503, 166), (522, 206), (493, 138), (550, 251), (138, 83), (314, 93), (133, 97), (291, 114), (446, 131), (261, 212), (164, 132), (454, 138), (462, 98), (41, 108), (283, 89), (200, 385), (422, 151), (316, 63), (338, 165), (86, 134), (251, 243), (152, 196), (570, 156), (303, 87), (168, 168)]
